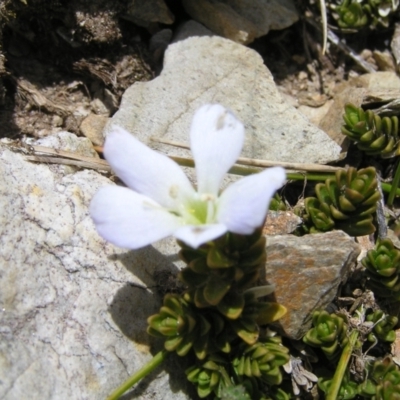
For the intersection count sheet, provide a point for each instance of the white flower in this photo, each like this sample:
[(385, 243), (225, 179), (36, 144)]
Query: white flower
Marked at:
[(160, 200)]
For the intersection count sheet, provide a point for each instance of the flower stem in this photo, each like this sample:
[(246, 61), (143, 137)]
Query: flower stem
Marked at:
[(334, 388), (138, 375)]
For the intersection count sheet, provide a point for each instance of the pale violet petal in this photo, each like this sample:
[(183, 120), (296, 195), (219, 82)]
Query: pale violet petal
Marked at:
[(128, 219), (216, 140), (196, 235), (243, 205), (146, 171)]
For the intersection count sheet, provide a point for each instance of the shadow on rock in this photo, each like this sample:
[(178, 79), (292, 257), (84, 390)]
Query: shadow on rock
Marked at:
[(175, 367), (146, 262), (135, 302), (131, 307)]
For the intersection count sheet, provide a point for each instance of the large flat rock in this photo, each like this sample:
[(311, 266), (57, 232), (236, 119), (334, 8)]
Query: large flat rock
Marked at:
[(73, 307), (203, 70)]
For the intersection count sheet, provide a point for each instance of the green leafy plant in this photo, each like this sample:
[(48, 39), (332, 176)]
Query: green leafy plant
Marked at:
[(218, 317), (209, 377), (383, 382), (328, 334), (262, 360), (383, 326), (351, 15), (348, 389), (183, 328), (383, 270), (277, 203), (372, 134), (229, 264), (357, 14), (254, 366), (347, 202)]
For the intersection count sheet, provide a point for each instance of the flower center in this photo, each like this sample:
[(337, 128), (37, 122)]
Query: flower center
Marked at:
[(199, 209)]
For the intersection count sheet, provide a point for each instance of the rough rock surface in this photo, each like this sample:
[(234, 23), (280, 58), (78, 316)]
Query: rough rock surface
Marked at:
[(201, 70), (242, 21), (190, 28), (307, 272), (281, 222), (73, 307), (69, 142)]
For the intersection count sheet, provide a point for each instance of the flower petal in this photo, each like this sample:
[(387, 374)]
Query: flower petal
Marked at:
[(196, 235), (145, 170), (243, 205), (216, 140), (128, 219)]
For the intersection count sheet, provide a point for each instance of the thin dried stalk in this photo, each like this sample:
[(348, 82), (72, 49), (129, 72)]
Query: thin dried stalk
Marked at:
[(100, 165), (324, 26), (254, 162), (52, 156)]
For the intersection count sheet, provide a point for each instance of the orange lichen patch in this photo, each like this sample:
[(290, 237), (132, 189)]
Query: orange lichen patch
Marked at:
[(306, 273), (280, 222), (293, 288)]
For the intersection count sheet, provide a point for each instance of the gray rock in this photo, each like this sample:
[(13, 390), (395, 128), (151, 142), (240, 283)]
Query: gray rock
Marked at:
[(73, 307), (69, 142), (242, 21), (307, 272), (203, 70), (189, 29), (147, 12)]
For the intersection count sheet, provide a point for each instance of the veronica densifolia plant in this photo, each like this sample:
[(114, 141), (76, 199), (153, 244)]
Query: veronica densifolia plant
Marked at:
[(217, 319)]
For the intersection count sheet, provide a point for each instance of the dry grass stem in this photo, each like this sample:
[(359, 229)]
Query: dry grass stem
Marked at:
[(253, 162)]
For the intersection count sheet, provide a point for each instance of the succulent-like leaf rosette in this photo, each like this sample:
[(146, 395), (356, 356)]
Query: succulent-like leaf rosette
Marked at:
[(209, 377), (383, 381), (383, 269), (374, 135), (262, 360), (231, 263), (351, 15), (206, 330), (346, 202), (328, 334), (383, 326), (348, 389), (184, 328), (356, 14)]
